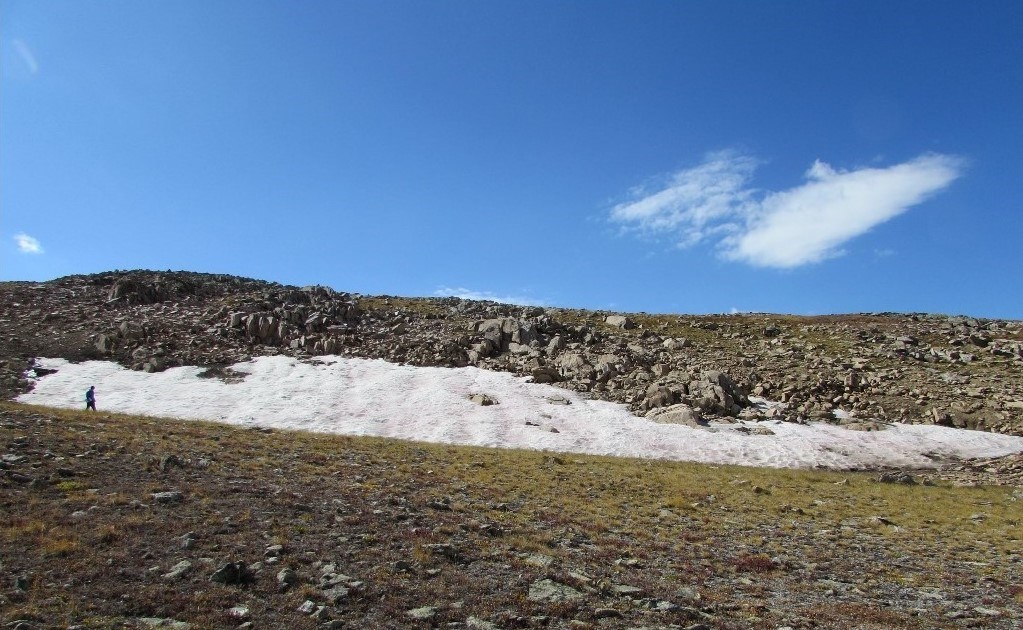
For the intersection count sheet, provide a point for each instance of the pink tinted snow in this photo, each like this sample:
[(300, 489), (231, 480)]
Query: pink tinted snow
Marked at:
[(372, 397)]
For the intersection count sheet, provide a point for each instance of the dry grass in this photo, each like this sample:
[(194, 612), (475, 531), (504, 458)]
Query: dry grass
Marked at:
[(467, 530)]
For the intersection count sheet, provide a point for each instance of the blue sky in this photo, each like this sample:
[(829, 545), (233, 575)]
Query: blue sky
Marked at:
[(689, 157)]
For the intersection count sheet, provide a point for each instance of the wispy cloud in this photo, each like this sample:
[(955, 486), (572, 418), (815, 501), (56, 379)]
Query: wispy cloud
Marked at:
[(28, 244), (696, 202), (26, 55), (469, 294), (783, 229)]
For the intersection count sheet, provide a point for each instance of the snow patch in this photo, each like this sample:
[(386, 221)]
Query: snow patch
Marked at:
[(351, 396)]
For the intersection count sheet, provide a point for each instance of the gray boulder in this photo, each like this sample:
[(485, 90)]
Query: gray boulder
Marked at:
[(677, 414), (106, 343), (556, 345), (659, 396), (545, 374), (620, 321), (233, 573), (676, 344), (131, 330), (715, 392), (548, 591)]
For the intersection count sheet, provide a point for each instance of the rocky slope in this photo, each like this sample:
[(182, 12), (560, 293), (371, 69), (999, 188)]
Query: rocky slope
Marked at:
[(955, 371)]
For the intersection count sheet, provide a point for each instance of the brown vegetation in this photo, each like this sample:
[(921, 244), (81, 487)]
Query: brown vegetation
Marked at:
[(472, 536)]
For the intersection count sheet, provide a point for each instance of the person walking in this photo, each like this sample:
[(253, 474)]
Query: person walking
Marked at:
[(90, 398)]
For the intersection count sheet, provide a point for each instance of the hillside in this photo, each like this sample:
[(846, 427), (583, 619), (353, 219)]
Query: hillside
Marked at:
[(111, 521), (953, 371)]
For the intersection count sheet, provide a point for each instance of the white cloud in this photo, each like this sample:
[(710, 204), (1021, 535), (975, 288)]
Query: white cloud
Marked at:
[(788, 228), (469, 294), (695, 201), (26, 55), (28, 244)]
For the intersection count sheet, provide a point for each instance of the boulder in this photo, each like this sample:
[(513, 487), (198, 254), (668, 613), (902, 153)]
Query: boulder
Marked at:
[(556, 345), (897, 476), (314, 322), (482, 350), (155, 364), (252, 325), (548, 591), (506, 333), (106, 343), (130, 330), (659, 396), (492, 332), (233, 573), (482, 400), (267, 328), (178, 570), (715, 392), (170, 496), (677, 414), (139, 290), (673, 344), (526, 334), (545, 374), (286, 578), (570, 363), (518, 348), (424, 613), (620, 321), (605, 370)]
